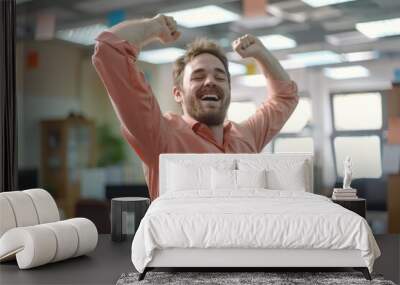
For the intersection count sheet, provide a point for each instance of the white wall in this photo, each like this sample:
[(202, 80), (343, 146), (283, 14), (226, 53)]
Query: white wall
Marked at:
[(48, 91)]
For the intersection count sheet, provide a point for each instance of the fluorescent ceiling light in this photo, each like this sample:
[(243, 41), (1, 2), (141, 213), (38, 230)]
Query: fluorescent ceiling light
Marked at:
[(275, 42), (203, 16), (259, 22), (326, 58), (320, 3), (83, 35), (360, 56), (277, 11), (315, 58), (379, 29), (256, 80), (346, 72), (347, 38), (159, 56), (291, 64), (236, 69)]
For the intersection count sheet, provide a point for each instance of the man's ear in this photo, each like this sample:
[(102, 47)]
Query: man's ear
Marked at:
[(178, 95)]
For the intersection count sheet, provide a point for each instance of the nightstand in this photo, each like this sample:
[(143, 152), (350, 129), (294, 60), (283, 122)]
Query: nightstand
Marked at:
[(126, 214), (358, 206)]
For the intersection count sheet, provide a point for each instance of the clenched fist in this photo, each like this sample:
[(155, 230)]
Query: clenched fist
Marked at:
[(248, 46), (167, 31)]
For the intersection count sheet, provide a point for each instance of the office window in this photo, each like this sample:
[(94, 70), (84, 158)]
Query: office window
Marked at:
[(365, 152), (362, 111), (300, 117), (357, 132), (295, 136)]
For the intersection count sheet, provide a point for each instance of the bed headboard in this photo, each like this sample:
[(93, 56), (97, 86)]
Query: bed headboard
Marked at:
[(207, 158)]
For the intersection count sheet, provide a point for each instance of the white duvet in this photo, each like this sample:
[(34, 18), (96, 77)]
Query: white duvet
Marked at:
[(251, 218)]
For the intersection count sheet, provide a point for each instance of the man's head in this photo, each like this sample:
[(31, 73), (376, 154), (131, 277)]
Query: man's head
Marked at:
[(202, 82)]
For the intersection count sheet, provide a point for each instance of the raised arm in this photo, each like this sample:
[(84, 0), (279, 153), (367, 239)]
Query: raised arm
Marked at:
[(282, 92), (142, 32), (115, 58)]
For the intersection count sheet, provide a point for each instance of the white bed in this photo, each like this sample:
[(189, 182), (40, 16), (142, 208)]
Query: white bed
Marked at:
[(247, 210)]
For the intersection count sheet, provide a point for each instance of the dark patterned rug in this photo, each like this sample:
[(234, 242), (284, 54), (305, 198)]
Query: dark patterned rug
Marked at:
[(229, 278)]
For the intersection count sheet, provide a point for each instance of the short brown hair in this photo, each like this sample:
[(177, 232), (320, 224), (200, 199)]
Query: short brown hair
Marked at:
[(197, 47)]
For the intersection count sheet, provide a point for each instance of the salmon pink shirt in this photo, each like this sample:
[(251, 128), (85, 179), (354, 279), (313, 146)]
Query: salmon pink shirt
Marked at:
[(151, 133)]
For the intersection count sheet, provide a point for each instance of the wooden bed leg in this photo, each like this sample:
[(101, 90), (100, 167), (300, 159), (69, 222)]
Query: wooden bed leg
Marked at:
[(143, 274), (364, 271)]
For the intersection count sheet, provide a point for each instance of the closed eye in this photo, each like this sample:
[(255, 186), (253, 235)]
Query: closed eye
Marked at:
[(220, 74), (197, 75)]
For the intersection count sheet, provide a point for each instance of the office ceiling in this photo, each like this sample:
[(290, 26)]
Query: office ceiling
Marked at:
[(307, 25)]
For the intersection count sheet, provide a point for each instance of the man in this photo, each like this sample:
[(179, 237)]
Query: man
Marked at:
[(201, 86)]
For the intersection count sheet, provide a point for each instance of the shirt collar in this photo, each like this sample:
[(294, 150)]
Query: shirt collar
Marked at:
[(195, 124)]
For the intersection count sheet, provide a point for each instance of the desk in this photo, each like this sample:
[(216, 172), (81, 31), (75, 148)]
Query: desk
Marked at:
[(110, 259), (104, 265)]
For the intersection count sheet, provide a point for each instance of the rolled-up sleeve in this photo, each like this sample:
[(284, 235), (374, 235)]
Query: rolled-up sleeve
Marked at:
[(273, 112), (141, 119)]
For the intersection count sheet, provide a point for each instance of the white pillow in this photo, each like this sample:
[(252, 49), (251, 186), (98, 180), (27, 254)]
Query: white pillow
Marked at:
[(251, 178), (188, 176), (293, 179), (282, 174), (182, 178), (223, 179), (237, 179)]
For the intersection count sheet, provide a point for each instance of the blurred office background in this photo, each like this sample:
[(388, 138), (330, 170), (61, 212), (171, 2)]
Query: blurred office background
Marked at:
[(344, 55)]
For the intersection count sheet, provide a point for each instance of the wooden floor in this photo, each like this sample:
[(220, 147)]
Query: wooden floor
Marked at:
[(389, 262)]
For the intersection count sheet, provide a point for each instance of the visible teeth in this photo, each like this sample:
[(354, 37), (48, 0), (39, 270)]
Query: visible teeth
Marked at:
[(207, 97)]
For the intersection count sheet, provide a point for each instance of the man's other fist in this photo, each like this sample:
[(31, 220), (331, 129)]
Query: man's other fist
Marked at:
[(248, 46), (167, 29)]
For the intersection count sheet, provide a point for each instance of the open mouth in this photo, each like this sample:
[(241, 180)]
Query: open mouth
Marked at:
[(214, 98)]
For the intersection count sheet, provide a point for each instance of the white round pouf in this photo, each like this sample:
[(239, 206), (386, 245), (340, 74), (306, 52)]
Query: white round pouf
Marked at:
[(87, 235), (33, 246), (23, 208), (7, 220), (67, 240), (30, 230), (45, 205)]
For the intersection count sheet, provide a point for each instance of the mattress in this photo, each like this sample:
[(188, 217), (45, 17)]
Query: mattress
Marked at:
[(250, 218)]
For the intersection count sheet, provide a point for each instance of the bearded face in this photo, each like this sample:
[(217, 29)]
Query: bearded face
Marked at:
[(205, 92)]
